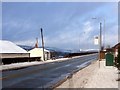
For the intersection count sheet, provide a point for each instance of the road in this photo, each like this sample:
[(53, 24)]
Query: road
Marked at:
[(44, 75)]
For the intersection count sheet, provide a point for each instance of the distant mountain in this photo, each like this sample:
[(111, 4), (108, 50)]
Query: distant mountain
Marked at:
[(57, 49), (27, 48), (57, 53), (52, 49)]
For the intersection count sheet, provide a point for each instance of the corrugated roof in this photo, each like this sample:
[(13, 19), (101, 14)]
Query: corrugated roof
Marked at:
[(9, 47)]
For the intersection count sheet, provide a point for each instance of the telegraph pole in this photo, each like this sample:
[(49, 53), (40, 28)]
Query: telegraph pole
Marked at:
[(42, 44)]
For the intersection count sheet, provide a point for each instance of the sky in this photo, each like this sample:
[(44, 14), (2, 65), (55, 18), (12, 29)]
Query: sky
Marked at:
[(66, 25)]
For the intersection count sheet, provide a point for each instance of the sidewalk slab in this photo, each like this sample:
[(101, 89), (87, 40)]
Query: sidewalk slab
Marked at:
[(105, 77), (95, 76)]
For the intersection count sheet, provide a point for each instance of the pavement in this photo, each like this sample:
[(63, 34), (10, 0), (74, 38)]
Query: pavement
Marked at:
[(97, 76), (103, 77)]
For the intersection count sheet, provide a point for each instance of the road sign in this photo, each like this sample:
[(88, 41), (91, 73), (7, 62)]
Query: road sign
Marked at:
[(96, 40)]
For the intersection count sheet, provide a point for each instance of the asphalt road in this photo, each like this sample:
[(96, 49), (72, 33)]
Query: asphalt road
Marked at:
[(44, 75)]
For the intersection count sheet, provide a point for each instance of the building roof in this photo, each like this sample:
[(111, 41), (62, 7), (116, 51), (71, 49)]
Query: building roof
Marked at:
[(9, 47), (40, 49), (117, 45)]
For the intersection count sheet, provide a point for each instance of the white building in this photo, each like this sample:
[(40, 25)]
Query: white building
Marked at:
[(38, 52), (11, 50)]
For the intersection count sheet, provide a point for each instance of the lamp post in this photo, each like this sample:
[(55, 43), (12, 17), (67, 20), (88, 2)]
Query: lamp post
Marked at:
[(100, 36), (104, 29), (100, 41)]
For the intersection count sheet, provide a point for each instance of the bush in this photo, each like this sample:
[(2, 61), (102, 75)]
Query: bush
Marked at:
[(118, 58)]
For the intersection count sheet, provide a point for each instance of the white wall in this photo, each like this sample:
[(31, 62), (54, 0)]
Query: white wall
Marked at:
[(38, 52)]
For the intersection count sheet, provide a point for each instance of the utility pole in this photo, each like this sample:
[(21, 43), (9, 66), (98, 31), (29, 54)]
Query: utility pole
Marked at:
[(100, 36), (104, 35), (42, 44), (36, 44)]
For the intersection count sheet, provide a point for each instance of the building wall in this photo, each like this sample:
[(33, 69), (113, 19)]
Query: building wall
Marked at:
[(102, 55), (35, 53), (39, 53), (14, 55), (47, 55)]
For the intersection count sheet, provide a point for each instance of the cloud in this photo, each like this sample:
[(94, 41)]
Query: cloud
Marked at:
[(19, 30), (73, 36), (26, 42), (65, 25), (111, 36), (88, 28)]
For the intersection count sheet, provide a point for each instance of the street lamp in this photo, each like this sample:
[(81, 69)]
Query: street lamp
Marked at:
[(104, 26), (100, 36), (100, 40)]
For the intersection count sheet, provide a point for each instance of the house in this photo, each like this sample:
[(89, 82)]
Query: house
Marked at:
[(10, 50), (115, 49), (38, 52)]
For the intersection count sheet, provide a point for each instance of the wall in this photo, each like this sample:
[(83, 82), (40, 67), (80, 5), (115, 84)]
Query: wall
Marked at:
[(14, 55), (39, 53)]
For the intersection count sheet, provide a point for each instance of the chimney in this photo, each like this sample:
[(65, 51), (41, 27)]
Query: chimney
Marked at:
[(36, 44)]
